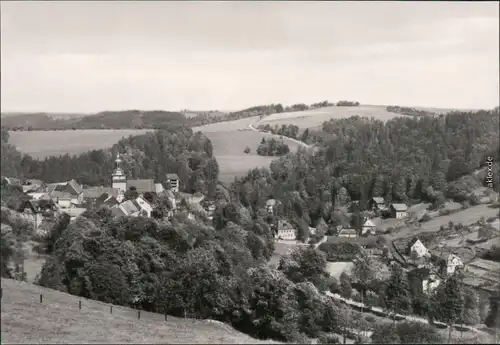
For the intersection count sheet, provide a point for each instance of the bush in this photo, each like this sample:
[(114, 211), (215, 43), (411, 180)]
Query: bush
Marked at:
[(340, 251), (328, 339), (425, 218)]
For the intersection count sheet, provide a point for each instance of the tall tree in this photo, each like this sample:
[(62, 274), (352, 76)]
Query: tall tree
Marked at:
[(447, 303), (397, 293)]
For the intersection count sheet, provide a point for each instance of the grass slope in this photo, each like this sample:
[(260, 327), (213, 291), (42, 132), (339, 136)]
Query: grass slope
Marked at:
[(58, 320), (314, 118), (229, 140)]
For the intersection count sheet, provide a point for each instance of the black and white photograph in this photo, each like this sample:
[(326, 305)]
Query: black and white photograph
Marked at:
[(250, 172)]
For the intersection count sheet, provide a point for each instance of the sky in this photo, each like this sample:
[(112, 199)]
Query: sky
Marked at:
[(85, 57)]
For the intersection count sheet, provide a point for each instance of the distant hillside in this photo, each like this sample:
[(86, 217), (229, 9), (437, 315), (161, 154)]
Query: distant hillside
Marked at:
[(58, 320), (128, 119)]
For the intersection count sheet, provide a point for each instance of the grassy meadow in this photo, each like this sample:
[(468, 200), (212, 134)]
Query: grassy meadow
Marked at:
[(229, 140), (41, 144), (58, 320), (313, 118)]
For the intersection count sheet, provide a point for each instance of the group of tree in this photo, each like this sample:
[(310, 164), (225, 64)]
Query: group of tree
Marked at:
[(290, 131), (272, 147), (409, 111), (347, 104), (406, 160), (152, 155), (189, 268)]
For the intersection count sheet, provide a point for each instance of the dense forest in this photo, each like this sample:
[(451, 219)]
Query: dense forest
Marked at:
[(290, 131), (172, 150), (405, 159)]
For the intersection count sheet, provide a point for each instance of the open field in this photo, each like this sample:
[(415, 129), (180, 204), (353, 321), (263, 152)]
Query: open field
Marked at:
[(41, 144), (313, 118), (58, 320), (229, 139)]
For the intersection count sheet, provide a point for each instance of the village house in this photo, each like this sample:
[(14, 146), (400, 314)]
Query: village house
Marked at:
[(62, 190), (74, 212), (377, 204), (62, 199), (173, 182), (92, 194), (31, 185), (425, 279), (416, 248), (399, 211), (285, 231), (270, 205), (368, 227), (35, 211), (130, 208), (146, 207), (348, 233), (453, 263), (341, 219), (39, 196)]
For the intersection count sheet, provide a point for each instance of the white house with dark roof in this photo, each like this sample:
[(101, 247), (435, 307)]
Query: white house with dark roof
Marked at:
[(377, 203), (368, 227), (453, 262), (416, 248), (285, 231), (146, 207), (399, 211)]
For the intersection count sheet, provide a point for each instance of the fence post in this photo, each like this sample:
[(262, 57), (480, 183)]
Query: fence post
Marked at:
[(111, 309), (165, 317), (41, 298), (1, 293), (138, 315), (80, 305)]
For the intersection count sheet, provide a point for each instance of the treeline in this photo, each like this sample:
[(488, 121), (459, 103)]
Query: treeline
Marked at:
[(272, 147), (405, 160), (408, 111), (347, 104), (172, 150), (105, 120), (290, 131)]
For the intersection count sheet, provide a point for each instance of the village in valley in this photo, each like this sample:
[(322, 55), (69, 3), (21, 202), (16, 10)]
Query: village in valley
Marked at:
[(250, 172)]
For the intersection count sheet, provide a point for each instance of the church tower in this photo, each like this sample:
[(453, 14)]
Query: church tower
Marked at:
[(119, 180)]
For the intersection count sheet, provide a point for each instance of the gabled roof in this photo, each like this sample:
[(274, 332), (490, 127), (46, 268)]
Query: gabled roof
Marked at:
[(75, 211), (117, 212), (348, 231), (37, 206), (412, 243), (172, 177), (284, 225), (369, 223), (129, 207), (400, 207), (60, 195), (31, 182), (140, 198), (76, 187), (110, 201), (379, 200), (142, 186), (96, 192)]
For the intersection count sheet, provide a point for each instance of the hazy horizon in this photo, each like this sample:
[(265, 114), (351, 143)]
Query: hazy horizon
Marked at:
[(87, 57)]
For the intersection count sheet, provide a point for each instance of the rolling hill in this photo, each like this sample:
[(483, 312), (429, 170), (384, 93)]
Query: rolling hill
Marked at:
[(58, 320)]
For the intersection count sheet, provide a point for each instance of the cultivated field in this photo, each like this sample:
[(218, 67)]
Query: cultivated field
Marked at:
[(58, 320), (41, 144), (314, 118), (229, 140)]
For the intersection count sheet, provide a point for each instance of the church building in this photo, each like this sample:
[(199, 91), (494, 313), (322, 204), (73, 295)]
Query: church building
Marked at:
[(122, 184)]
